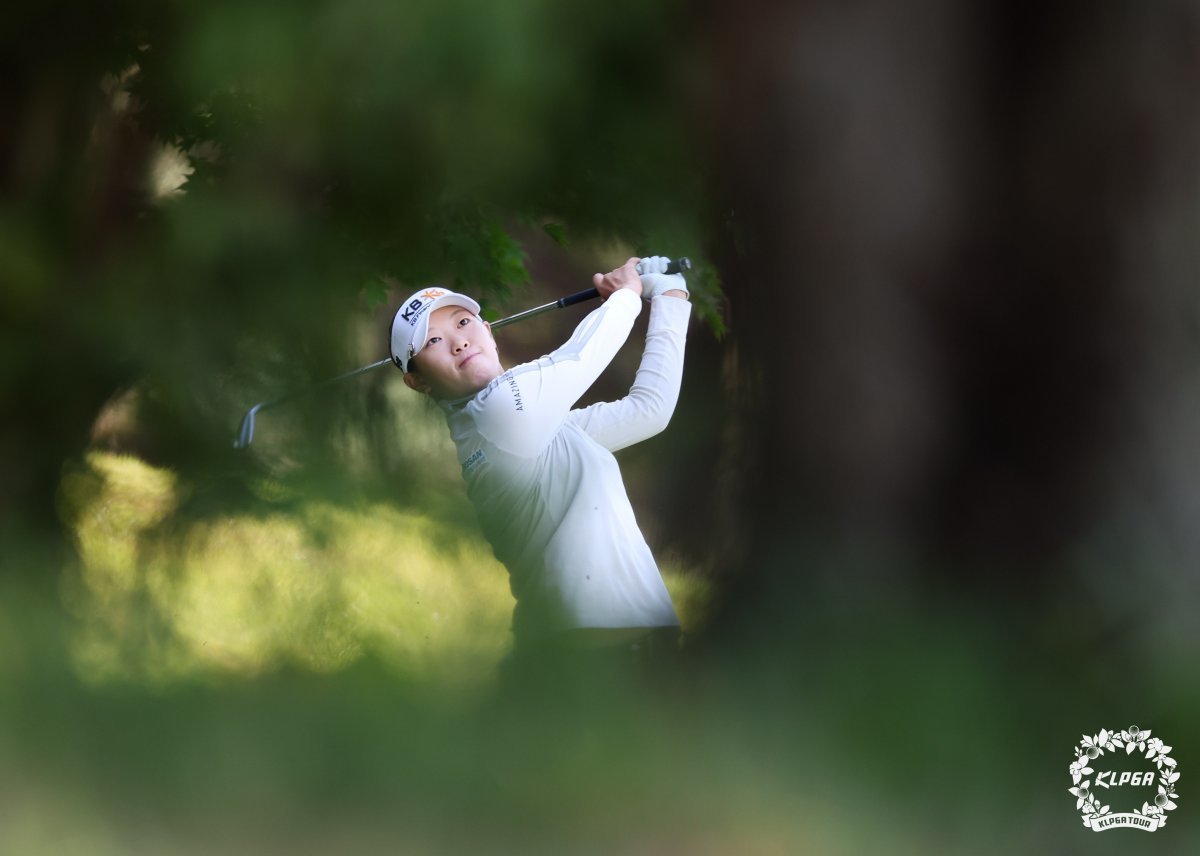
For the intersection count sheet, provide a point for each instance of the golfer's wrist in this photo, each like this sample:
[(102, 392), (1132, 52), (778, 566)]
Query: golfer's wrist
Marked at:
[(676, 292)]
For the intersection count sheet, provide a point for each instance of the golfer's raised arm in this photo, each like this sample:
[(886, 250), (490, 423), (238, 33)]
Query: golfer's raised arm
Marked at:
[(647, 409), (526, 406)]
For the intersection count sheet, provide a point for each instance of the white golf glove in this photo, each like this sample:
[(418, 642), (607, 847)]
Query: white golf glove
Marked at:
[(655, 282)]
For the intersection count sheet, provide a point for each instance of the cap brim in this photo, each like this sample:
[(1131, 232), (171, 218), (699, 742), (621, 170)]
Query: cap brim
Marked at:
[(421, 330)]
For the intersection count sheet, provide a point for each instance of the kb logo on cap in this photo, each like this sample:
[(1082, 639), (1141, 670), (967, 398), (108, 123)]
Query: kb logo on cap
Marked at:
[(413, 311)]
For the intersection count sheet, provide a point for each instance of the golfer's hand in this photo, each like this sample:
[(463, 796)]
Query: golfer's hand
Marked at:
[(656, 281), (626, 276)]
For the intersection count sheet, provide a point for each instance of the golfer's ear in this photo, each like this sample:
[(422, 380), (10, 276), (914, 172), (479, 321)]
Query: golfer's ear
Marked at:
[(414, 381)]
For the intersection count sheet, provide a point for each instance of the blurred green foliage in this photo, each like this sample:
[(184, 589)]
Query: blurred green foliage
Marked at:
[(316, 587), (330, 147)]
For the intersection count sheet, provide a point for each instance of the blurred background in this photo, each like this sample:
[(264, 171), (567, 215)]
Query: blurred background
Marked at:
[(927, 507)]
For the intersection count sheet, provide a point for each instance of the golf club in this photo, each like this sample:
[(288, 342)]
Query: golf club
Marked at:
[(246, 430)]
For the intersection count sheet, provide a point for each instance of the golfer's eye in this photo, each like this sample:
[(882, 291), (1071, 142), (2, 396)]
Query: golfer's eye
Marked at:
[(463, 322), (433, 340)]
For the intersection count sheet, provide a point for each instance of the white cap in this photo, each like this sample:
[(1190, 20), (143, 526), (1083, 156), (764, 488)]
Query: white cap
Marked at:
[(410, 327)]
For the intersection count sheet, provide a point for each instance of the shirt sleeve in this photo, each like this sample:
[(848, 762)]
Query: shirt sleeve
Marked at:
[(524, 408), (647, 409)]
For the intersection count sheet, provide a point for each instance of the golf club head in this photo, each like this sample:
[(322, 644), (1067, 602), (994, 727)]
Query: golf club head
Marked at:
[(246, 431)]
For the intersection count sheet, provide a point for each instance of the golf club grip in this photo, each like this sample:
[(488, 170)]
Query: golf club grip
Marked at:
[(679, 265), (577, 297)]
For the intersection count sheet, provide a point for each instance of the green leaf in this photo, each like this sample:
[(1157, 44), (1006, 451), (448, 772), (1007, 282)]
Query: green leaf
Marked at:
[(374, 292)]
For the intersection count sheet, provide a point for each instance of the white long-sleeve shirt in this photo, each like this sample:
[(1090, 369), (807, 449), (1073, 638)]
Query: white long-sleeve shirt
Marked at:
[(545, 484)]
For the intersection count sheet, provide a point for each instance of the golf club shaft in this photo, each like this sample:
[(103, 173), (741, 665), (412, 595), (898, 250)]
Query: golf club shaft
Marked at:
[(562, 302), (676, 266), (246, 430)]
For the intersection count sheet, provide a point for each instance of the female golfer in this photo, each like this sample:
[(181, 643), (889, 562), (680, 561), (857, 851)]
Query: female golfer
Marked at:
[(541, 475)]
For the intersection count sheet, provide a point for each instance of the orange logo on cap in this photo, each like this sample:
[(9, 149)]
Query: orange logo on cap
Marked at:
[(431, 294)]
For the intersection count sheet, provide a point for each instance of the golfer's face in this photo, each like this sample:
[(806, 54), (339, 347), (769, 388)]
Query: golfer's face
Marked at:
[(459, 357)]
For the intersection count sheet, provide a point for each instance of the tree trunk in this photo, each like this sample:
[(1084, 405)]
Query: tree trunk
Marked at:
[(962, 259)]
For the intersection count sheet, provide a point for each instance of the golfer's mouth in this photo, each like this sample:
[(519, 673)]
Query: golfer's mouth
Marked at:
[(463, 364)]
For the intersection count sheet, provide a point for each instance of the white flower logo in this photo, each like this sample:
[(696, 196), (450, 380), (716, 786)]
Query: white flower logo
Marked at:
[(1132, 739)]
